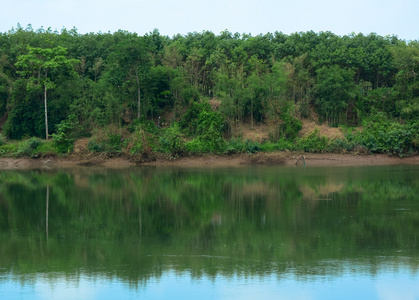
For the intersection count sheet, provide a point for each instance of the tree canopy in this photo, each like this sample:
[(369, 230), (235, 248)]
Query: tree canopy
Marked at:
[(120, 77)]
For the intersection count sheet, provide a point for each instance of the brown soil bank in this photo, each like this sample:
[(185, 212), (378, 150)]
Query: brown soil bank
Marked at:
[(288, 159), (275, 158)]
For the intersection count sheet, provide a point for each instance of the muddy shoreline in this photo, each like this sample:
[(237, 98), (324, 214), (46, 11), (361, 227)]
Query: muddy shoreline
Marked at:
[(275, 158)]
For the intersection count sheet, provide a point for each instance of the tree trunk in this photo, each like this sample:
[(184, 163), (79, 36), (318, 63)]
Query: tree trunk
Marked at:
[(251, 113), (139, 94), (45, 103), (47, 212)]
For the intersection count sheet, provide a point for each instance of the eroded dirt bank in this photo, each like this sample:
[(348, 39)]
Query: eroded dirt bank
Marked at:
[(276, 158)]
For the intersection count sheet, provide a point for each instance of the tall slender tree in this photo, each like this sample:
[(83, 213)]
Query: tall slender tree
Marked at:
[(38, 65)]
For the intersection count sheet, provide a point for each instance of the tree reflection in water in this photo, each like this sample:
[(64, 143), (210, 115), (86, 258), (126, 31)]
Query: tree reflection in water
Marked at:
[(141, 222)]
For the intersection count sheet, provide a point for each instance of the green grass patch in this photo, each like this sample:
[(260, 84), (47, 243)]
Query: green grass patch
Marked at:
[(33, 147)]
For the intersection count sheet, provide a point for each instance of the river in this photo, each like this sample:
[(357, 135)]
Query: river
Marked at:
[(221, 233)]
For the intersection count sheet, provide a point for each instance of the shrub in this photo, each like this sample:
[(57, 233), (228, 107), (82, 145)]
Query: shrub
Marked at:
[(290, 127), (171, 141), (208, 127), (240, 146), (142, 143), (64, 138), (343, 144), (2, 140), (312, 143), (189, 120), (95, 146), (9, 149), (210, 124), (269, 147), (28, 148), (146, 125), (383, 135), (113, 143), (200, 145), (47, 147)]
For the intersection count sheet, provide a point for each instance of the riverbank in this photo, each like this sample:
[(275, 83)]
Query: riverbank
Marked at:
[(274, 158)]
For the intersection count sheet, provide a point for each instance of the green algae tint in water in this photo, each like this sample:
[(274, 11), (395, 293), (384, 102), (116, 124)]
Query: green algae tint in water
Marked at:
[(240, 233)]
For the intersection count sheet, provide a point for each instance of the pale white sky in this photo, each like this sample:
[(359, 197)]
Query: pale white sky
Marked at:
[(341, 17)]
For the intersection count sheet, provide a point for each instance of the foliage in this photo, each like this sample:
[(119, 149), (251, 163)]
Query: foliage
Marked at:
[(383, 135), (342, 145), (95, 146), (378, 100), (280, 145), (9, 149), (290, 127), (335, 89), (25, 117), (207, 126), (47, 148), (37, 65), (142, 143), (313, 142), (124, 80), (64, 137), (242, 146), (28, 148), (2, 140), (111, 143), (209, 130), (33, 148), (172, 141), (189, 121), (204, 145)]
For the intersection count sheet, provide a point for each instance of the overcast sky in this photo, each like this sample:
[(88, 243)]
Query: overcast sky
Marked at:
[(341, 17)]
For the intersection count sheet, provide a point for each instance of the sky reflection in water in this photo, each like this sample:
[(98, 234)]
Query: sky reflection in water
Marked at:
[(386, 285)]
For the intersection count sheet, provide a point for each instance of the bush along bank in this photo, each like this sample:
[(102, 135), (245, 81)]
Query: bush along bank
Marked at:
[(205, 133)]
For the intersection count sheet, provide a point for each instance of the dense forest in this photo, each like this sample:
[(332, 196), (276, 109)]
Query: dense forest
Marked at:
[(192, 93)]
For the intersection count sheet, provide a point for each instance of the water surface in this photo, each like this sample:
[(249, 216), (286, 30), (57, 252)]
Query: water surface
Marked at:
[(238, 233)]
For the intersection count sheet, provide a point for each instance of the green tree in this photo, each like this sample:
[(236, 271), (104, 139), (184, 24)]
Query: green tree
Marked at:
[(335, 90), (38, 65), (130, 63), (275, 84), (406, 60), (6, 82)]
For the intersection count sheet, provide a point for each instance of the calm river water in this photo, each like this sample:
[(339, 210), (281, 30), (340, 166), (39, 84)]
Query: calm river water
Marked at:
[(237, 233)]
